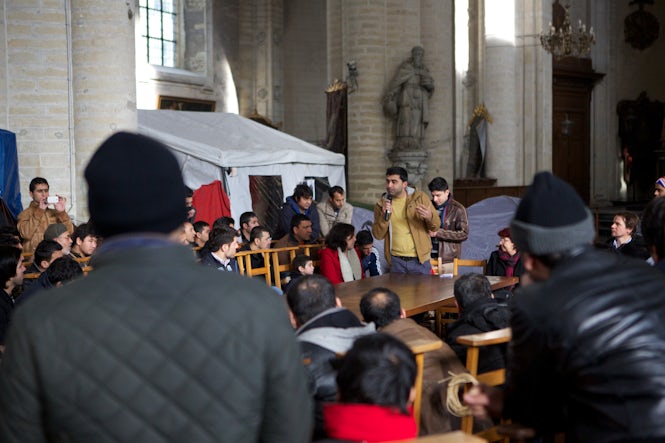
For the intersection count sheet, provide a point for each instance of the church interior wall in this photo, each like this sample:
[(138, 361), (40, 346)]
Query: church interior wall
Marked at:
[(306, 46), (438, 42), (305, 70)]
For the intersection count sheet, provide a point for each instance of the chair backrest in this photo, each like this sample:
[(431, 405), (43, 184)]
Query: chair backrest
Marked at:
[(280, 260), (448, 437), (313, 252), (245, 264), (28, 258), (474, 343), (437, 265), (82, 260), (459, 263), (31, 276), (419, 347)]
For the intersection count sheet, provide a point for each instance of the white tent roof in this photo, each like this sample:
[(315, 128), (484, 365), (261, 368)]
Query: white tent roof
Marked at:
[(230, 140), (217, 146)]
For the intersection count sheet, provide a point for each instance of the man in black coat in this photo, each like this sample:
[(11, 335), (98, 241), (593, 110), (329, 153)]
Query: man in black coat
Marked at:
[(587, 356), (151, 346), (479, 312), (324, 330)]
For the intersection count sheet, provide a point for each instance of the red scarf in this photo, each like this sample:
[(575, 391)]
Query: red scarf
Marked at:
[(370, 423), (509, 261)]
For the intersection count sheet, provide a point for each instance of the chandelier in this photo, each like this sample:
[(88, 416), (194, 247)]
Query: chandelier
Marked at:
[(566, 41)]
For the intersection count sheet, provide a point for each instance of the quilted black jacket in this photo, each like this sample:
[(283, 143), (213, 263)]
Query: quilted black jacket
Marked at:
[(588, 351), (152, 347)]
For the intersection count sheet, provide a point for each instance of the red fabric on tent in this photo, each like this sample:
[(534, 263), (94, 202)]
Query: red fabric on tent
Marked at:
[(211, 202)]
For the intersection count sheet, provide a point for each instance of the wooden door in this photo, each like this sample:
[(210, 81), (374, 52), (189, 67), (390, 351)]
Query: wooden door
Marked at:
[(572, 83)]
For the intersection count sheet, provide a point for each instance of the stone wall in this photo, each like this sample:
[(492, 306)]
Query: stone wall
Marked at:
[(59, 123)]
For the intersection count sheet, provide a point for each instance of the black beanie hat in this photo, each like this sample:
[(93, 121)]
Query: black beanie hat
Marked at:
[(134, 185), (551, 218)]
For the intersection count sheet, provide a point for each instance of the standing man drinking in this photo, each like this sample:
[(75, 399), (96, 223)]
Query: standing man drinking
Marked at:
[(404, 217)]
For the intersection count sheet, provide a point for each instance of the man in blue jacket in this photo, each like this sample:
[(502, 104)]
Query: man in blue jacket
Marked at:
[(299, 203)]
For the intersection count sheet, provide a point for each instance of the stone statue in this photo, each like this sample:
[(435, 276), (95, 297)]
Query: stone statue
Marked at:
[(407, 101)]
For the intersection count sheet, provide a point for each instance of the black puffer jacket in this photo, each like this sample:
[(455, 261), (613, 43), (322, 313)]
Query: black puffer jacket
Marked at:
[(588, 351), (152, 347), (481, 316)]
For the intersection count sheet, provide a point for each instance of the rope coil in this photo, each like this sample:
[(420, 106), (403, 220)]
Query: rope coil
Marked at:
[(453, 402)]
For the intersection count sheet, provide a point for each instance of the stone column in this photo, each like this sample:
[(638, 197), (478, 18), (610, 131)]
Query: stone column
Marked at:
[(378, 35), (261, 30), (103, 80), (518, 93)]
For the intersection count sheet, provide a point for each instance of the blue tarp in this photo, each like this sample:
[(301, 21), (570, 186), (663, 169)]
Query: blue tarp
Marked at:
[(486, 219), (10, 189)]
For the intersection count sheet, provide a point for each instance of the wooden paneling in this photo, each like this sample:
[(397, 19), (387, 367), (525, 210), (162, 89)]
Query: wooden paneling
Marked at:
[(572, 84)]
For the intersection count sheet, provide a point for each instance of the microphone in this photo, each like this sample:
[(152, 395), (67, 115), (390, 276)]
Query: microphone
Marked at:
[(386, 217)]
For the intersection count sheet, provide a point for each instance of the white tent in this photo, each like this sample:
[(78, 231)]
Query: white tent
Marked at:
[(207, 144)]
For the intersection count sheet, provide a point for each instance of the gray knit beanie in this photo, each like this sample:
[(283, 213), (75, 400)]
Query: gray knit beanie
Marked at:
[(551, 218)]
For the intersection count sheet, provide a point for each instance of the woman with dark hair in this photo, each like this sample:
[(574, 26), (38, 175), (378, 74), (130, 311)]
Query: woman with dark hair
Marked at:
[(505, 261), (340, 261), (11, 273), (376, 392)]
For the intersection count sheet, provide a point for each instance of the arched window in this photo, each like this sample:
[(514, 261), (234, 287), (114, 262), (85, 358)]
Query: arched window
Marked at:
[(159, 30)]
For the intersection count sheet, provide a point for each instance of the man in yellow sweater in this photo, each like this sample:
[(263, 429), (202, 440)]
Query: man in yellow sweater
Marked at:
[(403, 217)]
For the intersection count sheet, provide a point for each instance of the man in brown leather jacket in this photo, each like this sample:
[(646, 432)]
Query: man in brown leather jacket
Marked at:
[(454, 229)]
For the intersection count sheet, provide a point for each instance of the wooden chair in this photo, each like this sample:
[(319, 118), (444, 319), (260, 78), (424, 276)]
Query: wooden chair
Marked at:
[(447, 313), (458, 263), (28, 258), (419, 348), (474, 343), (280, 260), (245, 264), (448, 437), (83, 260), (313, 252), (437, 265)]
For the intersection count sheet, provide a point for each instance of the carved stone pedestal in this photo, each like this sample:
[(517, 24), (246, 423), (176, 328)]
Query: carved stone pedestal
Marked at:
[(415, 163)]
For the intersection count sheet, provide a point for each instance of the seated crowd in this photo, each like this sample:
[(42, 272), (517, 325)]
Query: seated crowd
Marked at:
[(351, 377)]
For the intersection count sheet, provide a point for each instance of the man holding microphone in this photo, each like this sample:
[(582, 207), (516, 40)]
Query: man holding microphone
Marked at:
[(403, 217)]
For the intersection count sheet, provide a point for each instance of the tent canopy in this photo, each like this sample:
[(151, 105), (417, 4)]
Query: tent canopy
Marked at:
[(228, 147), (230, 140)]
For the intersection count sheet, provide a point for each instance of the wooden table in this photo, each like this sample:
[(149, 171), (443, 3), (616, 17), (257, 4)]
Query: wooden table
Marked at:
[(450, 437), (418, 293)]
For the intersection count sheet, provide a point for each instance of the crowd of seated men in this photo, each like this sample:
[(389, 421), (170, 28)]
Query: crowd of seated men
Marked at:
[(366, 395)]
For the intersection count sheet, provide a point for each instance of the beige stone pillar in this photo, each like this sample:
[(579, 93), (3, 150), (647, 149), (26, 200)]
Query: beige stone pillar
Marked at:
[(379, 36), (517, 92), (103, 80), (261, 33)]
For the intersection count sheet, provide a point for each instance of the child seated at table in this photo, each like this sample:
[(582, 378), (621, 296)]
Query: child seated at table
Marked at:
[(370, 255), (301, 265)]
